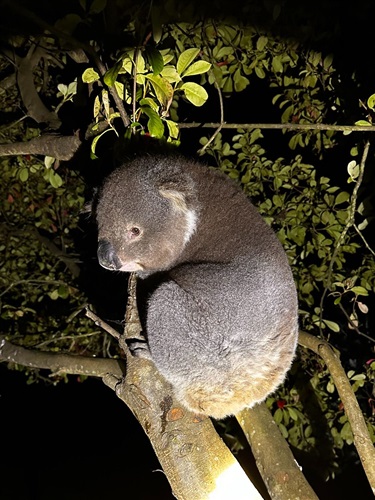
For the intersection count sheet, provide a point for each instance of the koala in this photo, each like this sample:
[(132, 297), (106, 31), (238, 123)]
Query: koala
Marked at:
[(221, 311)]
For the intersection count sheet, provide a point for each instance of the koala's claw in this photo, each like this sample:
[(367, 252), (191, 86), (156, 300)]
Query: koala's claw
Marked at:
[(139, 349)]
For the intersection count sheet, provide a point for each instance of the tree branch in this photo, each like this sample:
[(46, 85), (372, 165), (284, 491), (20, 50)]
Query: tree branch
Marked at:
[(282, 126), (59, 363), (29, 95), (88, 49), (349, 224), (362, 440), (59, 147), (194, 458), (275, 461)]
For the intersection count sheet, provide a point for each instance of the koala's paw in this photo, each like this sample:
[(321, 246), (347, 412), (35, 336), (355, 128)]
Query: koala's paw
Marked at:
[(139, 349)]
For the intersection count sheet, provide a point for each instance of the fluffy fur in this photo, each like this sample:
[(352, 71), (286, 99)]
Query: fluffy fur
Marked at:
[(221, 313)]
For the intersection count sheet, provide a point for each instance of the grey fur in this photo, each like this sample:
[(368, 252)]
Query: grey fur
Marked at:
[(221, 319)]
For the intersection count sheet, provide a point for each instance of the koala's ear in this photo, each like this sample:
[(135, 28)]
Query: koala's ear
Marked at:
[(180, 192)]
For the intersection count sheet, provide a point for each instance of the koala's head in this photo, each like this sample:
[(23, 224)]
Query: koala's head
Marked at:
[(146, 213)]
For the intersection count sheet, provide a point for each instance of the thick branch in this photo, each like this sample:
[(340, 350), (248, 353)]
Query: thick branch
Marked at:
[(275, 461), (195, 460), (76, 44), (59, 363), (362, 440), (30, 97), (59, 147)]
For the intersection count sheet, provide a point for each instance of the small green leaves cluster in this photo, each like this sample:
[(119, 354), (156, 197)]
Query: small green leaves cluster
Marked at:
[(39, 299), (302, 81), (160, 76), (369, 109)]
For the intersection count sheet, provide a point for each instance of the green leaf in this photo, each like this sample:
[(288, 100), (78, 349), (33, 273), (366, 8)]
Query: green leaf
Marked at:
[(98, 6), (240, 81), (262, 42), (111, 75), (292, 413), (327, 63), (155, 60), (162, 88), (49, 161), (277, 65), (23, 174), (332, 325), (283, 430), (197, 68), (359, 376), (363, 123), (54, 295), (371, 101), (95, 141), (120, 89), (359, 290), (260, 72), (63, 291), (278, 416), (170, 74), (54, 179), (186, 58), (147, 101), (157, 22), (155, 125), (330, 387), (342, 198), (228, 85), (194, 93), (173, 129), (90, 75)]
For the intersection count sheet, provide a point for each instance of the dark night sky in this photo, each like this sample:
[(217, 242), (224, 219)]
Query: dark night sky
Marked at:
[(76, 441)]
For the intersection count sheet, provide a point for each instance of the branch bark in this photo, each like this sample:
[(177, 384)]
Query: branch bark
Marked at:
[(195, 460), (282, 126), (275, 461), (30, 97), (59, 363), (362, 440), (59, 147)]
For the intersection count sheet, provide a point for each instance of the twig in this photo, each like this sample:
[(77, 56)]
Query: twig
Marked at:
[(202, 150), (348, 225), (359, 232), (135, 83), (362, 440), (102, 324), (353, 325), (286, 126)]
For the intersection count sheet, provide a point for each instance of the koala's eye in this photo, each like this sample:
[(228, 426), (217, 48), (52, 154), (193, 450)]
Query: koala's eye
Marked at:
[(134, 232)]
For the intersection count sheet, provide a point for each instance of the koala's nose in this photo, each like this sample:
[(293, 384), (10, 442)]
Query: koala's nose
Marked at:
[(107, 256)]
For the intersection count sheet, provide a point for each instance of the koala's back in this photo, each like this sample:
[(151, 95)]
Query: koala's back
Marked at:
[(221, 316)]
